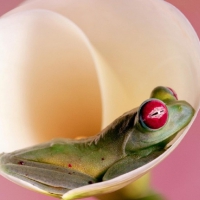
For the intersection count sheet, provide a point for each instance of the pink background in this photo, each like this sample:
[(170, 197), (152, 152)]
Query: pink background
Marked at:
[(178, 176)]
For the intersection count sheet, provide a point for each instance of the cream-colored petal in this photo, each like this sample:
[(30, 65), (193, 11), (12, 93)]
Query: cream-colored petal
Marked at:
[(135, 46), (143, 43), (48, 86)]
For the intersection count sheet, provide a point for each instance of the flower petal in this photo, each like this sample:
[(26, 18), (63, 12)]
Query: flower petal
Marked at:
[(142, 43), (135, 46), (47, 72)]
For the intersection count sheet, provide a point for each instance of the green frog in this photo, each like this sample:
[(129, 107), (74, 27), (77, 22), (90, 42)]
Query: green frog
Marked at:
[(129, 142)]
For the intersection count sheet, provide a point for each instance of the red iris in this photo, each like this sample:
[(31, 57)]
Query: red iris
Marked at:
[(153, 114), (173, 92)]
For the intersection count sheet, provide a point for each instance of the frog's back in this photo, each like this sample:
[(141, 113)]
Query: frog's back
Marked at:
[(92, 156)]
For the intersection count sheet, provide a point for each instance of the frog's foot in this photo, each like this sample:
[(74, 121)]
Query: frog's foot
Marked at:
[(128, 164), (53, 179)]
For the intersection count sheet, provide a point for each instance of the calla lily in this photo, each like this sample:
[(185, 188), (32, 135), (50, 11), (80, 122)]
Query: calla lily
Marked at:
[(69, 68)]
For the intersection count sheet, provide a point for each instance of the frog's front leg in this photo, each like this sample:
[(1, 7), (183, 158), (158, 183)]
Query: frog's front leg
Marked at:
[(129, 163), (52, 179)]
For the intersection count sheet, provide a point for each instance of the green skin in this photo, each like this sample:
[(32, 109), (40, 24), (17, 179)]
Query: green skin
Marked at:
[(64, 164)]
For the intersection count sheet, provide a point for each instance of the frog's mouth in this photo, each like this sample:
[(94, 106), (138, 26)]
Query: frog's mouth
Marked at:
[(49, 178)]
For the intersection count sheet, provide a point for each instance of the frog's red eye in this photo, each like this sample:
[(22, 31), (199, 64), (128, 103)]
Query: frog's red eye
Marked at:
[(153, 114), (173, 92)]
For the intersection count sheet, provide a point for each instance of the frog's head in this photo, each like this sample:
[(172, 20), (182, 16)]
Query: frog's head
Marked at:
[(165, 94), (159, 119)]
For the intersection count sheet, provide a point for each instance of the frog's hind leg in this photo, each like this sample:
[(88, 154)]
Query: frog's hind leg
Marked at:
[(55, 180), (128, 164)]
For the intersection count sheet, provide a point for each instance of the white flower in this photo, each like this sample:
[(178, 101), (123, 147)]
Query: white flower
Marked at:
[(68, 68)]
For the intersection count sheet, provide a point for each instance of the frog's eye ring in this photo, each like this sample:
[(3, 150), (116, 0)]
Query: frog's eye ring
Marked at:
[(173, 92), (153, 114)]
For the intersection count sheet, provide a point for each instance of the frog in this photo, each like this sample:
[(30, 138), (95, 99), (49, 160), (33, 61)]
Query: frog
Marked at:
[(132, 140)]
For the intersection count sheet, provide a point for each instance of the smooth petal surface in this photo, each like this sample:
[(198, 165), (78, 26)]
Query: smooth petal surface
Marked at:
[(46, 75), (134, 38), (127, 48)]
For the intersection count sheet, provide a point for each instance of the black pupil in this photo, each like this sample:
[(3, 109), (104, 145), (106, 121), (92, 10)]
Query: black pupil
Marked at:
[(157, 113)]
